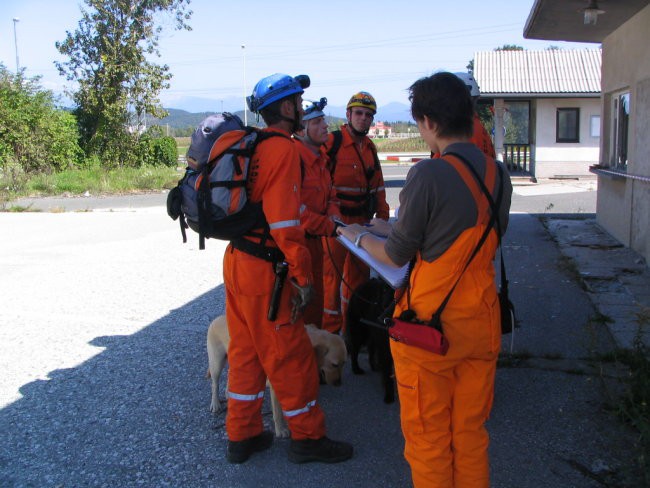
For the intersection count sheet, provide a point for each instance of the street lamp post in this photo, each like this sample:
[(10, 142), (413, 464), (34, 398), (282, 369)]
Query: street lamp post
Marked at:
[(16, 20), (243, 47)]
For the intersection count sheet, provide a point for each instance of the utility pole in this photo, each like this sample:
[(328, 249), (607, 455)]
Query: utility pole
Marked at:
[(16, 20), (243, 47)]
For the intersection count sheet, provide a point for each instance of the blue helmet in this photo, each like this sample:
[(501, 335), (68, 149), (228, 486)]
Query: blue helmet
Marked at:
[(275, 87), (313, 109)]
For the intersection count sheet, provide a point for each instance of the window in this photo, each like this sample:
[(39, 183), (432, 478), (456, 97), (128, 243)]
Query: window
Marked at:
[(568, 125), (620, 129), (594, 126)]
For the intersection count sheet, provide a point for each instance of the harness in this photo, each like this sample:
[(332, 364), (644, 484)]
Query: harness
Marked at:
[(369, 199)]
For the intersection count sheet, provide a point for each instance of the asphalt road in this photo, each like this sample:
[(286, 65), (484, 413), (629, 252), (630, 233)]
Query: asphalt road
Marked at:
[(546, 197), (102, 349)]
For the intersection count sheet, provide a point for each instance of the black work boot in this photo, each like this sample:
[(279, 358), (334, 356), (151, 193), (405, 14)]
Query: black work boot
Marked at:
[(239, 451), (321, 450)]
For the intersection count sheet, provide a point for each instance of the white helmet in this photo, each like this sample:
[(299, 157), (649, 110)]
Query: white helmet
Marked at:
[(313, 109), (469, 80)]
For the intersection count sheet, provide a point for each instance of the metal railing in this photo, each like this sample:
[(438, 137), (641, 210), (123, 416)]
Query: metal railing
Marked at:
[(517, 157)]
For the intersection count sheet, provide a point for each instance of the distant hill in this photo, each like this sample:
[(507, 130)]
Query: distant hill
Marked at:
[(391, 112), (182, 123)]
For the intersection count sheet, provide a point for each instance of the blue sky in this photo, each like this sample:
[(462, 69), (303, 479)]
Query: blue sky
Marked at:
[(343, 46)]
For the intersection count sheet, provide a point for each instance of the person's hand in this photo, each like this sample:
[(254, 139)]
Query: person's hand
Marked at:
[(350, 232), (379, 227), (300, 298), (337, 223)]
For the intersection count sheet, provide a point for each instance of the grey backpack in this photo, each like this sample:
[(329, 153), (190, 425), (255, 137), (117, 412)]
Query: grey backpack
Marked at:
[(211, 198)]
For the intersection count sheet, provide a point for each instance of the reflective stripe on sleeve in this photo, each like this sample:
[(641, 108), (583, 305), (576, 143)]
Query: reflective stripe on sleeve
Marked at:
[(305, 409), (245, 398), (350, 189), (283, 224), (330, 312)]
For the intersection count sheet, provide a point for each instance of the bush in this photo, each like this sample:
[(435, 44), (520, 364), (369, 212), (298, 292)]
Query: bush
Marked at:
[(165, 151), (34, 134), (159, 151)]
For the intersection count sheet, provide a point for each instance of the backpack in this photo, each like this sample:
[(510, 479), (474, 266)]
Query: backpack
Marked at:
[(211, 198)]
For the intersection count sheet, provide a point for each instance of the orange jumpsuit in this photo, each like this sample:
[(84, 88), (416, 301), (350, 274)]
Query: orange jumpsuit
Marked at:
[(480, 138), (318, 204), (353, 189), (445, 400), (259, 348)]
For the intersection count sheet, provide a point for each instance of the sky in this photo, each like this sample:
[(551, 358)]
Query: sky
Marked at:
[(345, 47)]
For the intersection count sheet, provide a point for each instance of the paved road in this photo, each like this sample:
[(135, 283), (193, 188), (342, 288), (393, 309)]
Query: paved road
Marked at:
[(548, 196), (102, 348)]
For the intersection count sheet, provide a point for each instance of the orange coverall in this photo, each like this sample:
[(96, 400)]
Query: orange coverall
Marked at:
[(319, 202), (480, 138), (352, 186), (445, 400), (259, 348)]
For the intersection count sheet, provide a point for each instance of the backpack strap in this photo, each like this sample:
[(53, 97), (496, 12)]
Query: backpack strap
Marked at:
[(334, 150), (260, 250)]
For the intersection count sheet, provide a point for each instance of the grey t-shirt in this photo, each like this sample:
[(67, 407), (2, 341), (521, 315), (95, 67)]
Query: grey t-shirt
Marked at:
[(436, 206)]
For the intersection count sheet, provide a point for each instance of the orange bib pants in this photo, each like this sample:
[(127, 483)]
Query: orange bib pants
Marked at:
[(445, 400)]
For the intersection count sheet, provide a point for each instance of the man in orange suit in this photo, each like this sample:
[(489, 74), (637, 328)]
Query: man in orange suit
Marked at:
[(267, 333)]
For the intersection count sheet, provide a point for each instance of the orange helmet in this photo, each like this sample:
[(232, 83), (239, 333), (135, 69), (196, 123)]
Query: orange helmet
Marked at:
[(363, 99)]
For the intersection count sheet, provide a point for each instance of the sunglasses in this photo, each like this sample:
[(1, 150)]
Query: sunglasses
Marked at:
[(363, 113)]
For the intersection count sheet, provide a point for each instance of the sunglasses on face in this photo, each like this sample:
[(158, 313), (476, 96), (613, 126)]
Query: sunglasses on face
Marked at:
[(363, 113)]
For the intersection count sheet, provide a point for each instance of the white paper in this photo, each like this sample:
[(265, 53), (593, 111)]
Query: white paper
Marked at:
[(390, 274)]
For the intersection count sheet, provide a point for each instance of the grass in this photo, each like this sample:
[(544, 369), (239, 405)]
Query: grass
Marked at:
[(94, 180), (414, 144), (182, 143), (99, 181)]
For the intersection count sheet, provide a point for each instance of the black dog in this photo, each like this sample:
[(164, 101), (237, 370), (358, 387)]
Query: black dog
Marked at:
[(367, 305)]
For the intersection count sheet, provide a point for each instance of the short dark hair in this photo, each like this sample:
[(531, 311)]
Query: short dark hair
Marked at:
[(271, 113), (445, 100)]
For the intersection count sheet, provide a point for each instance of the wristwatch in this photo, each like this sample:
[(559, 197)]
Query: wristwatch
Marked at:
[(357, 241)]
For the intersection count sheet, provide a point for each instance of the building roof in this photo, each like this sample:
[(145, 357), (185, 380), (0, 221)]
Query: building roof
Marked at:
[(564, 19), (548, 73)]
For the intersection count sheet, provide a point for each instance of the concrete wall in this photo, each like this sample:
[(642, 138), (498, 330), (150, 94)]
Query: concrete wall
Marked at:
[(624, 202), (563, 158)]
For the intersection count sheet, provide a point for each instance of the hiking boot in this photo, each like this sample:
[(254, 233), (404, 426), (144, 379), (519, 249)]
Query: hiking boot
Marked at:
[(321, 450), (239, 451)]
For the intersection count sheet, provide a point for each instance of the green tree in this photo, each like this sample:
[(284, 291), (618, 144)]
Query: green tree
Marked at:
[(505, 47), (509, 47), (116, 81), (35, 136)]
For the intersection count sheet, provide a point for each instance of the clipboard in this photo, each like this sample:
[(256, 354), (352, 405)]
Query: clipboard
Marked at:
[(392, 275)]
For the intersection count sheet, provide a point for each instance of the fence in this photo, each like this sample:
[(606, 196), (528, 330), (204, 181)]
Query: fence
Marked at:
[(517, 157)]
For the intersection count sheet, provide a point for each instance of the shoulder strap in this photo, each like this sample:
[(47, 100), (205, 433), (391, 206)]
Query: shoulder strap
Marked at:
[(495, 212), (435, 319), (334, 150)]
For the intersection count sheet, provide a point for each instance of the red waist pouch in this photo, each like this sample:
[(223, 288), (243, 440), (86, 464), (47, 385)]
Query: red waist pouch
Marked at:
[(418, 335)]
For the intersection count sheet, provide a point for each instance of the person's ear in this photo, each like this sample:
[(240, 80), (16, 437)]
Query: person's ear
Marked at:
[(287, 107), (430, 125)]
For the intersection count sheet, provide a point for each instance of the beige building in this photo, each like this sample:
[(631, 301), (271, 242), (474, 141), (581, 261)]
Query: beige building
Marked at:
[(623, 28), (546, 107)]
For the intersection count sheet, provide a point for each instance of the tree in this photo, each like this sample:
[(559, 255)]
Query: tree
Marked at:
[(108, 60), (509, 47), (505, 47)]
